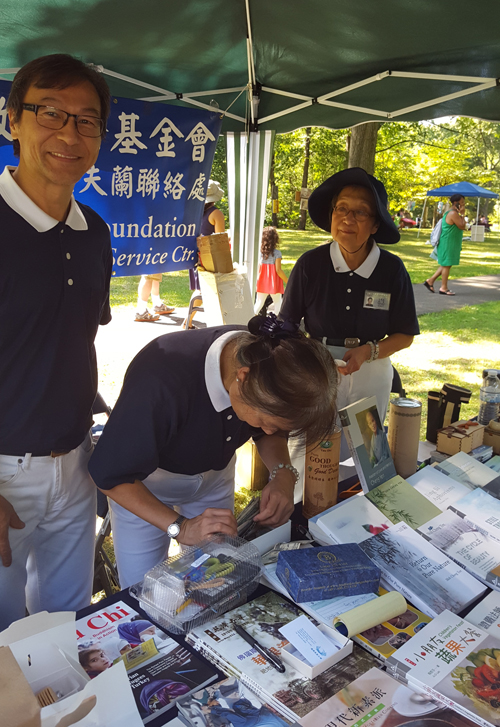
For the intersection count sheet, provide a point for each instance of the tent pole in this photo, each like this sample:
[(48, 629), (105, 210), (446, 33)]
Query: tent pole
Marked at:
[(477, 211), (421, 219)]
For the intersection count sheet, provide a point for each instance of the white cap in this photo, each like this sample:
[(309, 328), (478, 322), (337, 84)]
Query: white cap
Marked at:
[(214, 191)]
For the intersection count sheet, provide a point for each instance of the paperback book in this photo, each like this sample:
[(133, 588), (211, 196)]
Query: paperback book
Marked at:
[(159, 669), (468, 546), (400, 502), (486, 614), (351, 521), (480, 509), (437, 487), (494, 463), (470, 472), (456, 663), (290, 693), (367, 442), (426, 577)]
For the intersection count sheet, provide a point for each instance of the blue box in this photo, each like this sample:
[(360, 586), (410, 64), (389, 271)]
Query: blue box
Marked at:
[(316, 574)]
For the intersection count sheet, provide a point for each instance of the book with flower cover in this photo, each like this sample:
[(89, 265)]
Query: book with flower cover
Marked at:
[(456, 663), (425, 576), (367, 442)]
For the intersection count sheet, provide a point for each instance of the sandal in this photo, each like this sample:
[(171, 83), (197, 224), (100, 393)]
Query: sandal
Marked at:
[(429, 286), (446, 292), (163, 310), (146, 317)]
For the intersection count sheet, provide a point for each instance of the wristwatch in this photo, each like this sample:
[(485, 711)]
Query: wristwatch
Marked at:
[(174, 528)]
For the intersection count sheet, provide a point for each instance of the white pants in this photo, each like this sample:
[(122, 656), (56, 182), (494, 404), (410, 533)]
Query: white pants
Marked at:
[(53, 555), (372, 379), (138, 545), (261, 299)]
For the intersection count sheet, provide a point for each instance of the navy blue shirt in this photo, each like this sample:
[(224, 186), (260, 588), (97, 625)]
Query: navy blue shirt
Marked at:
[(48, 370), (164, 416), (331, 302)]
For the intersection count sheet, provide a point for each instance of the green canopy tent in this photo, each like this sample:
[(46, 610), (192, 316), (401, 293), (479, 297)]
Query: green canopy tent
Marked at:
[(274, 66)]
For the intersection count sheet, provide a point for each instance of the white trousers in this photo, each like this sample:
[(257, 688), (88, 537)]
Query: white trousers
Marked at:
[(372, 379), (53, 555), (261, 299), (138, 545)]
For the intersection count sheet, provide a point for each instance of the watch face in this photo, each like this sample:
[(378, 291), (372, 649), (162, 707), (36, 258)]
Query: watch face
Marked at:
[(173, 530)]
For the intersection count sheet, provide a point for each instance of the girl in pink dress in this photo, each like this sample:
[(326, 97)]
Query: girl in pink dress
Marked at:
[(271, 276)]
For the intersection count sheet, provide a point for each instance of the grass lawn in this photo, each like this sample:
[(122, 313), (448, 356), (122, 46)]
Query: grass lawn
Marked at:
[(478, 258)]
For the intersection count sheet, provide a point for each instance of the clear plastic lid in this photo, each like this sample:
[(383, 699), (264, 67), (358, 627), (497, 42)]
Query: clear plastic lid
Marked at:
[(202, 582)]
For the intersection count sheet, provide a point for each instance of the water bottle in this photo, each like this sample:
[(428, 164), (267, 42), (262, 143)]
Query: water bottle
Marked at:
[(489, 397)]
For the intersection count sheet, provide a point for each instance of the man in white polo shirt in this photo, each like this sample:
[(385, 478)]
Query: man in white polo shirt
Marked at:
[(58, 108)]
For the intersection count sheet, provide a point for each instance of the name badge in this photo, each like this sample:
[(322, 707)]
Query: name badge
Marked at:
[(378, 301)]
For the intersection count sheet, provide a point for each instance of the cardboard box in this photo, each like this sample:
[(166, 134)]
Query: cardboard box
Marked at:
[(463, 436), (215, 253), (492, 439), (312, 671), (317, 574), (227, 299)]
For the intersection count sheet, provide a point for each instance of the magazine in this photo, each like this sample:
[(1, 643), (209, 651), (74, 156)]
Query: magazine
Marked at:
[(350, 521), (290, 693), (367, 442), (228, 702), (480, 509), (456, 663), (437, 487), (159, 669), (427, 578), (467, 545), (401, 502)]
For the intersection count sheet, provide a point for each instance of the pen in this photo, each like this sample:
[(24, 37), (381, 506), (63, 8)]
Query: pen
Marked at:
[(268, 656)]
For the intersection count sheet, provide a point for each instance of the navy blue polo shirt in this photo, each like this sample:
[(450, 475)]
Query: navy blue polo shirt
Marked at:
[(166, 416), (54, 293), (331, 297)]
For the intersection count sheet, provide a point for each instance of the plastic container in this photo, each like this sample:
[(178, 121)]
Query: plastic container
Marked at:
[(203, 582), (489, 397)]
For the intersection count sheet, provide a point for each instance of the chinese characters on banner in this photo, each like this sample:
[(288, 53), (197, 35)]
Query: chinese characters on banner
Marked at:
[(149, 181)]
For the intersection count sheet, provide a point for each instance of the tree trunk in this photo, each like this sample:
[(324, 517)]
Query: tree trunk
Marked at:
[(274, 195), (305, 174), (362, 145)]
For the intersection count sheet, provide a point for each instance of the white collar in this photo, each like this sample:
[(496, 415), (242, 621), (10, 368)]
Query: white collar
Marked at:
[(216, 391), (364, 270), (29, 211)]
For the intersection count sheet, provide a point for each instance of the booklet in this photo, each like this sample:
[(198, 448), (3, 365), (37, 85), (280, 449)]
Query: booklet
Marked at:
[(367, 442), (425, 576), (401, 502), (486, 614), (437, 487), (456, 663), (480, 509), (350, 521), (467, 470), (159, 669)]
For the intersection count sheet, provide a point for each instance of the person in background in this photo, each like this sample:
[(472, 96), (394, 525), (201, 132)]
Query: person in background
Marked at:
[(212, 221), (149, 285), (450, 244), (271, 276), (354, 297), (61, 249)]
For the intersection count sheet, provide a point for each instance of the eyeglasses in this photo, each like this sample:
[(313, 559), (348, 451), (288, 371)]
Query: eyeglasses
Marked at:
[(359, 215), (52, 118)]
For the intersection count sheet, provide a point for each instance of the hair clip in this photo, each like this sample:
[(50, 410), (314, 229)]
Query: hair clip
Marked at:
[(272, 327)]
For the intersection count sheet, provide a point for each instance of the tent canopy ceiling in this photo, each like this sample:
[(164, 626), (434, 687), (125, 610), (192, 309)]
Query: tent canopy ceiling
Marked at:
[(302, 54), (466, 189)]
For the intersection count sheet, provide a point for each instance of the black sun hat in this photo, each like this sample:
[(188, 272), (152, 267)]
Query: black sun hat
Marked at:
[(320, 202)]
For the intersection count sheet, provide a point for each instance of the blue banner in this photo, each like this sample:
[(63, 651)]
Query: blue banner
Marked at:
[(149, 182)]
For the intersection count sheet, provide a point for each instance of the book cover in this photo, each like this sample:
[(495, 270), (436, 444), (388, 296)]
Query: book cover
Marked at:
[(455, 662), (376, 698), (313, 574), (437, 487), (426, 577), (470, 472), (486, 614), (400, 502), (228, 702), (262, 618), (386, 638), (159, 669), (494, 463), (481, 509), (367, 442), (467, 545), (350, 521)]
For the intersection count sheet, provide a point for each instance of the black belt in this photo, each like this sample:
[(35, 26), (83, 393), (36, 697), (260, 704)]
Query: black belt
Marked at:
[(344, 342)]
